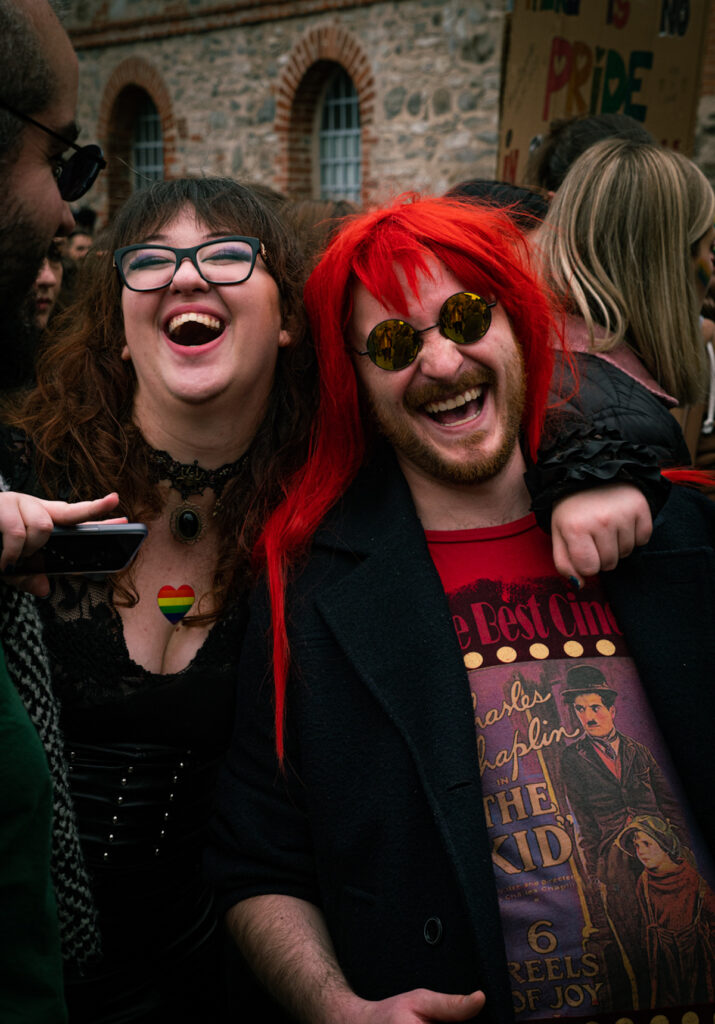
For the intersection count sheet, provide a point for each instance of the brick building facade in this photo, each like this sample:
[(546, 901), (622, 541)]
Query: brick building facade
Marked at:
[(239, 88)]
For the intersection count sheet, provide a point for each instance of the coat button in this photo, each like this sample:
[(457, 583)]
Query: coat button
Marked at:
[(432, 931)]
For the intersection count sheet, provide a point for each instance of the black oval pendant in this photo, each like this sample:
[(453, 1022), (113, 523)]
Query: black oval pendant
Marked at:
[(187, 524)]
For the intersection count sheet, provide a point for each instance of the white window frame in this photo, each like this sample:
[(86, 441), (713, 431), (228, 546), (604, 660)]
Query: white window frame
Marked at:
[(340, 140), (147, 144)]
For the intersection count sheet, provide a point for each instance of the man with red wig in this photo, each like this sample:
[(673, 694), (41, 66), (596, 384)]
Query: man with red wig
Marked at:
[(393, 840)]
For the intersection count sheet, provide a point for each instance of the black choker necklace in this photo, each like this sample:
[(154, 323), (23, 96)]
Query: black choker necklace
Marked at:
[(187, 520)]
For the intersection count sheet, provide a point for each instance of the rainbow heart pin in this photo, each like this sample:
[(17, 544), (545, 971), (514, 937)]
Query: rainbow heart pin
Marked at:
[(174, 603)]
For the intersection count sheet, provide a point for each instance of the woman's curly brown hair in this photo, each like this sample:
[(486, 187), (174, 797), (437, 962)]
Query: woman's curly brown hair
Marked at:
[(79, 414)]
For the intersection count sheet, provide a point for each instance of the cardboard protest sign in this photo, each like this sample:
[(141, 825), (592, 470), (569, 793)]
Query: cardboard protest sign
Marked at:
[(569, 57)]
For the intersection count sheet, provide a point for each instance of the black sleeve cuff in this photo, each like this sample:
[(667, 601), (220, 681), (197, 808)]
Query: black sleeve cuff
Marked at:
[(583, 457)]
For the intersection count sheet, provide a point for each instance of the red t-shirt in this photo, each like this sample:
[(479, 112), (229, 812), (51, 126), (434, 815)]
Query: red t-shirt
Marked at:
[(576, 783)]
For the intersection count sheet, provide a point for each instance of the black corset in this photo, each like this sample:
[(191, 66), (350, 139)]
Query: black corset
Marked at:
[(139, 804), (142, 811)]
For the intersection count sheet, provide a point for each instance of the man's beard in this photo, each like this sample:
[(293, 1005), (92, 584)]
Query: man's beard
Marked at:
[(480, 466), (22, 250)]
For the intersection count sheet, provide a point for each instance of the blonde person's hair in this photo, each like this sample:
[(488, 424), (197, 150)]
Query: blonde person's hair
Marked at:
[(617, 246)]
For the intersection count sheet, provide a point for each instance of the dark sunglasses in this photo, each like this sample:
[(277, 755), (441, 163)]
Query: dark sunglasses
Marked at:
[(74, 175), (464, 318)]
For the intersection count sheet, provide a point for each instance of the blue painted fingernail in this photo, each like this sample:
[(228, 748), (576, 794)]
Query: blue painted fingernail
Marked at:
[(574, 582)]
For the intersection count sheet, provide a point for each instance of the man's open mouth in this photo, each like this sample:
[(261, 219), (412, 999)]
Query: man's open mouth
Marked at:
[(458, 409), (194, 329)]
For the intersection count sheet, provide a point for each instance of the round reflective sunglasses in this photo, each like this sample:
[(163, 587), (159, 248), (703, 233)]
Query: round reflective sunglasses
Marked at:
[(228, 260), (393, 344)]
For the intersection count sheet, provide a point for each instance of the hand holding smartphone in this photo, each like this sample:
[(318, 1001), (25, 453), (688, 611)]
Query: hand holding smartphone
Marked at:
[(90, 548)]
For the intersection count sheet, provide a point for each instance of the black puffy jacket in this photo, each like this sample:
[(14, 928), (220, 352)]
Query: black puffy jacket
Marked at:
[(603, 427)]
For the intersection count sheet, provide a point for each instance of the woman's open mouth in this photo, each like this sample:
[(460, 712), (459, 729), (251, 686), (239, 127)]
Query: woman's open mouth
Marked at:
[(194, 329)]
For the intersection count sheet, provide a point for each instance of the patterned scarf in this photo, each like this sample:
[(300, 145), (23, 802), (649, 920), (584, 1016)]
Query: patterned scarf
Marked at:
[(27, 663)]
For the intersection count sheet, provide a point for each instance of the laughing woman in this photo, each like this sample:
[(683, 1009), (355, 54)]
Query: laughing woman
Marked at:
[(180, 380)]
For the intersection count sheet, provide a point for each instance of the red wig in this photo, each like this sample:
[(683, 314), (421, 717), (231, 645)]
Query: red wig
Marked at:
[(487, 253)]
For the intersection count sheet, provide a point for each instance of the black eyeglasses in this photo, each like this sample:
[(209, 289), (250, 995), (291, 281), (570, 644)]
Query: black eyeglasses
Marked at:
[(229, 260), (464, 318), (78, 173)]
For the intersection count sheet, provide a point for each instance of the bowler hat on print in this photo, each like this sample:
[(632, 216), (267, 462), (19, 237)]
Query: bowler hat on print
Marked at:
[(585, 679)]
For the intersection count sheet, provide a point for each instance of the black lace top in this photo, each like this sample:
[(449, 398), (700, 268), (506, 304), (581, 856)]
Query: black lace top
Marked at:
[(143, 749), (106, 696)]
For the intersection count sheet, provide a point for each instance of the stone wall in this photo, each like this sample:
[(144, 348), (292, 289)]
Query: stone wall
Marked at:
[(228, 81)]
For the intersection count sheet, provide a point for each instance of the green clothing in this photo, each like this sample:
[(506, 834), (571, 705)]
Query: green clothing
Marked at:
[(30, 959)]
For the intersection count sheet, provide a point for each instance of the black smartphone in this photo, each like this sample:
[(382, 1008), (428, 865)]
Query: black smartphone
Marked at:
[(89, 548)]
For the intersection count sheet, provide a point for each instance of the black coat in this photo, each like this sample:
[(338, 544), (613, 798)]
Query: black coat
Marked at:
[(609, 429), (378, 819)]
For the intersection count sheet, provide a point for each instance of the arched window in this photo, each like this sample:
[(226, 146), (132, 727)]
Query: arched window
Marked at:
[(340, 157), (147, 157)]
